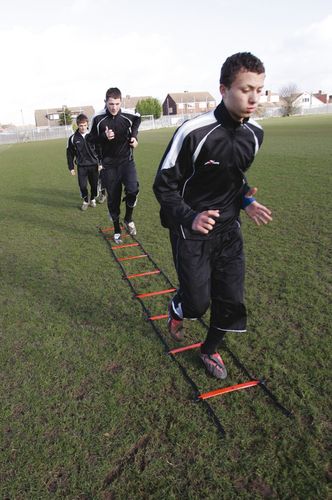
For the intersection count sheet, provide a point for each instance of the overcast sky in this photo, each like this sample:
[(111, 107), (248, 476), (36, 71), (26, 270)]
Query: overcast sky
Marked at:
[(68, 52)]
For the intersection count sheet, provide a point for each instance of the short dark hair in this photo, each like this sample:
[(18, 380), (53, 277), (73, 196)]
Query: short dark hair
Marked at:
[(81, 118), (241, 61), (113, 92)]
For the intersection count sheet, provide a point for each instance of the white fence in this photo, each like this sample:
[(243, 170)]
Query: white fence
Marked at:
[(27, 134), (325, 109)]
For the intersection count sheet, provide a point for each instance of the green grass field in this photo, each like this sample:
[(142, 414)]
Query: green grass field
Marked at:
[(92, 408)]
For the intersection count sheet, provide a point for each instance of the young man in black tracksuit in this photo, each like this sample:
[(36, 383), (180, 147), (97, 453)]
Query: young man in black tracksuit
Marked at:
[(201, 187), (115, 134), (82, 153)]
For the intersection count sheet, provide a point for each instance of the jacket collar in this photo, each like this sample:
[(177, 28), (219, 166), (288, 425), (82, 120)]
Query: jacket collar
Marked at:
[(109, 114), (222, 115)]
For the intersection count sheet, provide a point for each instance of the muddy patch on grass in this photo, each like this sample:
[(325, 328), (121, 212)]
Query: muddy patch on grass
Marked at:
[(126, 460)]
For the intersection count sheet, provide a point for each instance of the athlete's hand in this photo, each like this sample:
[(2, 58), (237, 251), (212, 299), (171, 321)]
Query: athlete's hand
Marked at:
[(72, 172), (258, 213), (133, 142), (251, 192), (109, 133), (100, 167), (204, 221)]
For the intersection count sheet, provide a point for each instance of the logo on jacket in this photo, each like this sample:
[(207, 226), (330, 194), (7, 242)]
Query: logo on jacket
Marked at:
[(211, 162)]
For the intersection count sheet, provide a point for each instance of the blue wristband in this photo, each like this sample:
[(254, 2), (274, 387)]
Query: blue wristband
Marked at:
[(246, 201)]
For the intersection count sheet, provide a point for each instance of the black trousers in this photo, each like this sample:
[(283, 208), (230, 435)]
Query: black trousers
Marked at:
[(85, 175), (101, 181), (116, 176), (211, 272)]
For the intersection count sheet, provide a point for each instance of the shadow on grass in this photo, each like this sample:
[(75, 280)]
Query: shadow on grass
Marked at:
[(91, 229), (47, 197)]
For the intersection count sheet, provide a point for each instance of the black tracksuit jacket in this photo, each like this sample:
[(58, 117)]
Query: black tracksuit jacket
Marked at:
[(124, 125), (80, 151), (204, 168)]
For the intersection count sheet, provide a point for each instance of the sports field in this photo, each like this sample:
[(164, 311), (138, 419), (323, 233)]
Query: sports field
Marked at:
[(93, 408)]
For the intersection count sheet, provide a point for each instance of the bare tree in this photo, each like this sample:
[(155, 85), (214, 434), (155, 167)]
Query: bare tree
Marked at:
[(288, 95)]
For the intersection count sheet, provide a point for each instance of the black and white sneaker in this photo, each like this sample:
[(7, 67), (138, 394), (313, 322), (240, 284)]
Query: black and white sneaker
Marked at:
[(117, 238), (131, 228), (101, 198)]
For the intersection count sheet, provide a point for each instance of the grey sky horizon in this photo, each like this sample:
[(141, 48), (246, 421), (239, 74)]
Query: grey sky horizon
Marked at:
[(71, 51)]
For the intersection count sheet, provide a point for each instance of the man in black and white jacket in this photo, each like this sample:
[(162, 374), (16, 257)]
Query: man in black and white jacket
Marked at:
[(83, 154), (201, 187), (114, 132)]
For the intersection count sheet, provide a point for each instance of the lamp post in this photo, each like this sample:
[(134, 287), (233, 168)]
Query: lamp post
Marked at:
[(64, 118), (64, 115)]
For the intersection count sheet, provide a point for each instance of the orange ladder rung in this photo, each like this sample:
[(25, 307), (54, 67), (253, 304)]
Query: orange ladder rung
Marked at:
[(231, 388), (160, 316), (126, 245), (185, 348), (132, 257), (108, 229), (147, 273), (151, 294)]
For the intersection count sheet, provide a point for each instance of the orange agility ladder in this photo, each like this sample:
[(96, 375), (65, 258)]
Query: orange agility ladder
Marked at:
[(135, 277)]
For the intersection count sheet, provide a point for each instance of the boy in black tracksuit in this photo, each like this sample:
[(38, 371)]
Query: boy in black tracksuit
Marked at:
[(82, 153), (201, 187), (114, 132)]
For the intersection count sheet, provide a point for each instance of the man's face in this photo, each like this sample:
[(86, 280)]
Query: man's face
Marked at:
[(83, 127), (242, 98), (113, 105)]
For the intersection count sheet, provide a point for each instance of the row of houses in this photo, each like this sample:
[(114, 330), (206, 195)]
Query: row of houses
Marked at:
[(186, 103)]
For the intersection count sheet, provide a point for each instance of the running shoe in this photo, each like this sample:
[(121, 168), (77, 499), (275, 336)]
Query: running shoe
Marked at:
[(93, 203), (175, 326), (117, 238), (101, 198), (214, 365), (131, 228), (84, 206)]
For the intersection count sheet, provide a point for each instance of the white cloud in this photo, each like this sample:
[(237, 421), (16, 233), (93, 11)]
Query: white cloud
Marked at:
[(303, 58), (317, 33)]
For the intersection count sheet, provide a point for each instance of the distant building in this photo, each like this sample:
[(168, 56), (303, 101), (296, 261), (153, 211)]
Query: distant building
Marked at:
[(305, 100), (269, 103), (50, 117), (184, 103), (269, 97), (325, 98), (129, 102)]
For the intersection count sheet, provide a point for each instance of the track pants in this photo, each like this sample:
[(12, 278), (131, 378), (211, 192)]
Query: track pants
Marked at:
[(85, 175), (211, 272), (113, 177), (101, 183)]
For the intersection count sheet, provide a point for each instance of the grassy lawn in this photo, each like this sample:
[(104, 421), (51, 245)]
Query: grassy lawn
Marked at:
[(92, 408)]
